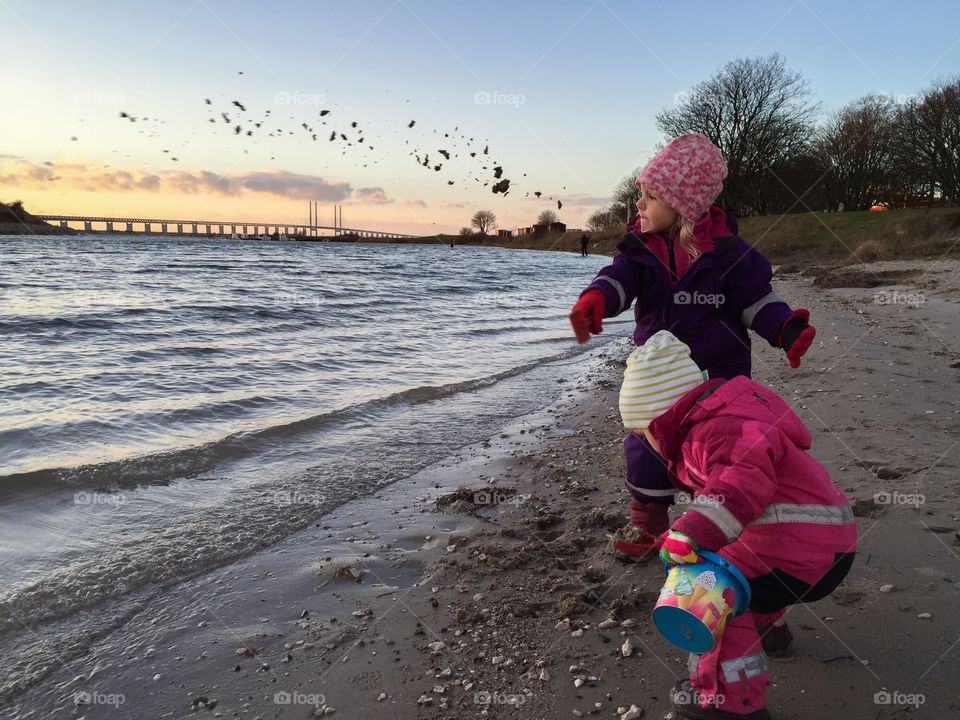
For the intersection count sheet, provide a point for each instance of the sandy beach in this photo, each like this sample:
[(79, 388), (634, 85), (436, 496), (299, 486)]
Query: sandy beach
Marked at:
[(484, 587)]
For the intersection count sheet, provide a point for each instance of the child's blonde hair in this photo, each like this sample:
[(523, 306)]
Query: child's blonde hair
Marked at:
[(684, 232)]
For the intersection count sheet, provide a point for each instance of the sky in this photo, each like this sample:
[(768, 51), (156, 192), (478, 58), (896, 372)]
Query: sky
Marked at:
[(562, 93)]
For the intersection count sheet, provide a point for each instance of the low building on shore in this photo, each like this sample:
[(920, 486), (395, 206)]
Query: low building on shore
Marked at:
[(541, 229)]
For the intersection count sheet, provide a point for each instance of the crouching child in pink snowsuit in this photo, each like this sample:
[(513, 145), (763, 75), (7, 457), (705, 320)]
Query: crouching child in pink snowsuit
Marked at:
[(758, 499)]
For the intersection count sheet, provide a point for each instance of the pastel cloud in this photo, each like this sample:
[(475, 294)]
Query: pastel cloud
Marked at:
[(281, 183), (372, 196)]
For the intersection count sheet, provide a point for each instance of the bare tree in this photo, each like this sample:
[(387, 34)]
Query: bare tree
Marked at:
[(606, 219), (928, 140), (855, 149), (759, 114), (547, 217), (484, 221), (625, 196)]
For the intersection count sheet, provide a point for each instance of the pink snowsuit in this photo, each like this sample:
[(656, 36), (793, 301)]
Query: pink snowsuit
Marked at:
[(763, 503)]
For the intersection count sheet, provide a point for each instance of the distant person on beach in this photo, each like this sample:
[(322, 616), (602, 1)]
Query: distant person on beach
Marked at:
[(584, 241), (756, 498), (689, 272)]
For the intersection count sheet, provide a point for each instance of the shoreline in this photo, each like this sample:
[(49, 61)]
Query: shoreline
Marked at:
[(521, 592)]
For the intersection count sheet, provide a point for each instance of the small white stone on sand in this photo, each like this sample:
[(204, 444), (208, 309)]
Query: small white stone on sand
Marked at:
[(544, 674), (157, 677), (629, 622), (632, 714), (577, 633), (607, 624), (577, 682), (381, 697), (425, 700), (924, 616), (563, 624), (627, 648), (886, 588), (436, 646)]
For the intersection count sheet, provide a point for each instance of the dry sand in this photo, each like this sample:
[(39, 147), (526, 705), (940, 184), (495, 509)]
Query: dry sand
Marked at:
[(504, 600)]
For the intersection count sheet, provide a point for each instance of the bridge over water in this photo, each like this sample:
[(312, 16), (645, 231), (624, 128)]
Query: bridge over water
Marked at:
[(212, 227)]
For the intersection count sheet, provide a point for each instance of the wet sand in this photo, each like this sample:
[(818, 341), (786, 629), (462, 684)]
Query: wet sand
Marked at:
[(503, 600)]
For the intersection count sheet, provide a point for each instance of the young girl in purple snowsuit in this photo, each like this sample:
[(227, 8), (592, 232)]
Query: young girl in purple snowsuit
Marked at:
[(690, 273)]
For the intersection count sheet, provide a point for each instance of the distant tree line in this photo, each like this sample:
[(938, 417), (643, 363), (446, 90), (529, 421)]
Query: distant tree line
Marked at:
[(782, 158)]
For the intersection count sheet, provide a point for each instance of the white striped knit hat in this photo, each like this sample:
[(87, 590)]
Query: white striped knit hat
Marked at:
[(658, 373)]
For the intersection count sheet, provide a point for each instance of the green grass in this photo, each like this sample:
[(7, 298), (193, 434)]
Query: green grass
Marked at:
[(855, 236)]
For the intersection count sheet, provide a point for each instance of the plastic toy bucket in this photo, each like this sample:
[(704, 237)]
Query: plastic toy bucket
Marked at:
[(697, 600)]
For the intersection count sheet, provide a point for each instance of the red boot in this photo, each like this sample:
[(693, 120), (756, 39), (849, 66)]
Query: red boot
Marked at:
[(640, 540)]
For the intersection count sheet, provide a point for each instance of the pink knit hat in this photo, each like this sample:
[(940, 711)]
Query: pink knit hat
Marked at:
[(687, 175)]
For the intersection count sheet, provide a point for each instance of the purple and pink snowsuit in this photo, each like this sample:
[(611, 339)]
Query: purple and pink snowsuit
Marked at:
[(708, 304), (763, 503)]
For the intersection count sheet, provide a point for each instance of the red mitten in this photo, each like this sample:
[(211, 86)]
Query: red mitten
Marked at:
[(796, 336), (586, 316), (678, 549)]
